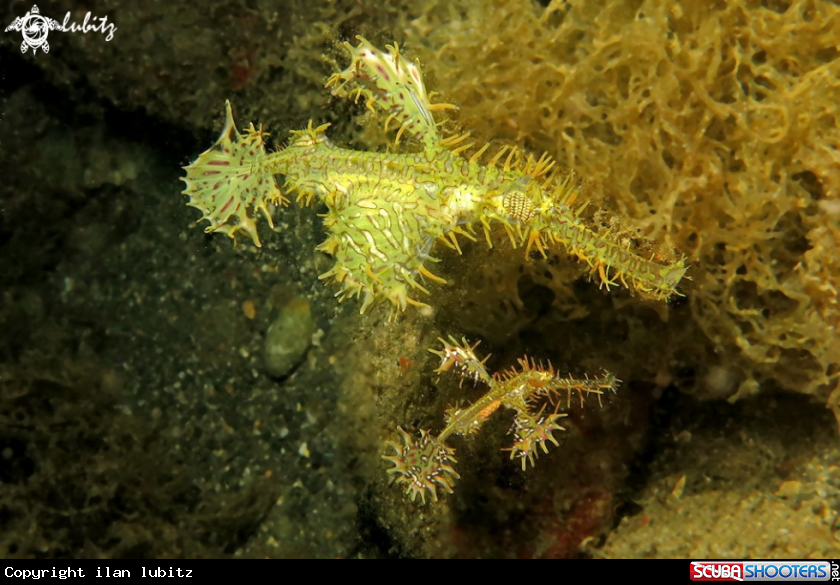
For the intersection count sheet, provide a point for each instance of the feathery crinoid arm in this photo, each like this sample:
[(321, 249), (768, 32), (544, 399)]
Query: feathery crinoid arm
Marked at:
[(424, 463), (231, 181), (392, 83)]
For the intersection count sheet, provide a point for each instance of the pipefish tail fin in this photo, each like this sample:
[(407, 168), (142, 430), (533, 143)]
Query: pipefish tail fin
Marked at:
[(231, 181)]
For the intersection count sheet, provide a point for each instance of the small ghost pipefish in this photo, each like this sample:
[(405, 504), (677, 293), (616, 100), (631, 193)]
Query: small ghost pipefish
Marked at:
[(423, 464), (385, 210)]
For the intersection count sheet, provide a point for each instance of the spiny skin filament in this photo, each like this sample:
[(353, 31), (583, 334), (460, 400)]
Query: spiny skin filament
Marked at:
[(385, 210), (423, 464)]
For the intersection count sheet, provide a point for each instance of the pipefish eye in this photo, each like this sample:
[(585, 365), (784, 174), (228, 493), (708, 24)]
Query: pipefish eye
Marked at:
[(671, 275)]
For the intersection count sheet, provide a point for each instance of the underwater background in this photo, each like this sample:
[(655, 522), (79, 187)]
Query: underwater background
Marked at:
[(166, 394)]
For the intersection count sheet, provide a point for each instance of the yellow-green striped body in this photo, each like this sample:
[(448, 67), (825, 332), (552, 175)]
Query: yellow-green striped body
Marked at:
[(385, 210), (383, 214)]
